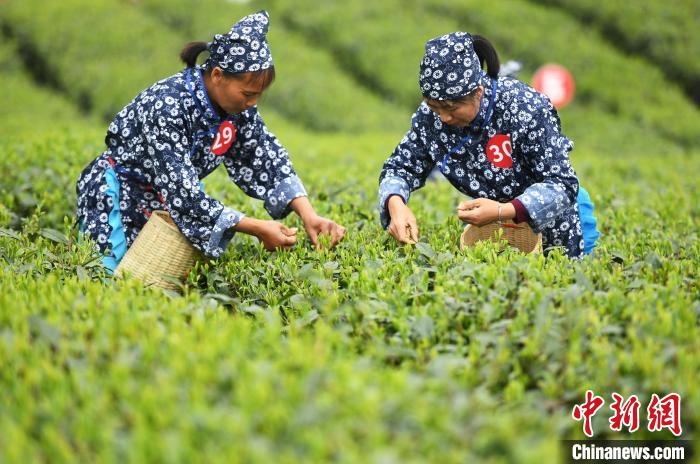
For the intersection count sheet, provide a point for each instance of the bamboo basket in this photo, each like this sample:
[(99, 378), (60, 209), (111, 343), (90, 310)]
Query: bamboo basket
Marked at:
[(160, 255), (520, 236)]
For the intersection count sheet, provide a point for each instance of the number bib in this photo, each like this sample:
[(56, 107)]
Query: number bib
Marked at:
[(498, 151), (224, 138)]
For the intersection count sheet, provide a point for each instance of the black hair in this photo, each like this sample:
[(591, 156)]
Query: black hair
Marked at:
[(191, 51), (487, 54), (264, 77)]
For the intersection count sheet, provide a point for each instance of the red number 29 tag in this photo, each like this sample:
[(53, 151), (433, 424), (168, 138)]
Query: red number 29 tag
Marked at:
[(224, 138), (499, 150)]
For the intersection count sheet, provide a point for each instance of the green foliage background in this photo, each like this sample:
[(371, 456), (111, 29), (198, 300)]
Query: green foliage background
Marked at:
[(372, 352)]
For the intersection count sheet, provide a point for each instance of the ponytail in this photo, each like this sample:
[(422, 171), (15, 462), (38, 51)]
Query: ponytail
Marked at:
[(191, 51), (487, 54)]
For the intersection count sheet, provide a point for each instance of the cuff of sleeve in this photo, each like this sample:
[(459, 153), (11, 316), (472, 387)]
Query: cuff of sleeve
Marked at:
[(223, 231), (544, 202), (278, 199), (520, 212), (388, 187)]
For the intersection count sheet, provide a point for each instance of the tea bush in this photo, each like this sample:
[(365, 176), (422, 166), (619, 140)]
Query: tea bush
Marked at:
[(372, 351)]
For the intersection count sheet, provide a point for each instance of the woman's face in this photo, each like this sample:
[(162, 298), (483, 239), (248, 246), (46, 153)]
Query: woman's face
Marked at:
[(233, 95), (457, 113)]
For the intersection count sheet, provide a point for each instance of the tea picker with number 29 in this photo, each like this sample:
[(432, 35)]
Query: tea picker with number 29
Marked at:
[(497, 140), (177, 132)]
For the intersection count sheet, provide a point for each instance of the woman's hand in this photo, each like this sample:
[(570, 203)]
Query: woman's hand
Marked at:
[(483, 211), (403, 226), (272, 234), (316, 225), (275, 236)]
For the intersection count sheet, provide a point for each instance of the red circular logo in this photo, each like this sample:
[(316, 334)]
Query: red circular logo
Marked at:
[(224, 138), (556, 82), (499, 150)]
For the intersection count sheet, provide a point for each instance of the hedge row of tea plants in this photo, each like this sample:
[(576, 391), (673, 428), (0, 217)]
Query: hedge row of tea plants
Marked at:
[(28, 108), (666, 34), (314, 91), (134, 49), (100, 53), (382, 42), (310, 88), (628, 87)]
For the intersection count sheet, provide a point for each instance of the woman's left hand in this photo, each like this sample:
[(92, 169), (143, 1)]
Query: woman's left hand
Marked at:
[(316, 225), (481, 211)]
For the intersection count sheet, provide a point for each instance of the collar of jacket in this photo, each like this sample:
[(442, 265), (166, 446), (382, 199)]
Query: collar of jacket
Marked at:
[(484, 104), (198, 92)]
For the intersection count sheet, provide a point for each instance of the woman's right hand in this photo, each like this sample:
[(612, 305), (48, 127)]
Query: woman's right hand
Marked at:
[(276, 236), (272, 234), (403, 226)]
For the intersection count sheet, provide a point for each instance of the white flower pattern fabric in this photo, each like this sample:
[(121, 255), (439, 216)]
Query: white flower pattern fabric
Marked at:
[(541, 175), (160, 147), (244, 48), (450, 68)]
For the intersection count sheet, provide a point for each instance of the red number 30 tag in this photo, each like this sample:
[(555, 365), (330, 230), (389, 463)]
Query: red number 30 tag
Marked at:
[(224, 138), (499, 150)]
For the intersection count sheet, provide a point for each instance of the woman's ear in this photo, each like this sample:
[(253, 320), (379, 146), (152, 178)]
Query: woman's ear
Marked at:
[(217, 74)]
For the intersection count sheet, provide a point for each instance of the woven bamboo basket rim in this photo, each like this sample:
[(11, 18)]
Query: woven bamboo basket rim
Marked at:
[(161, 255), (519, 236)]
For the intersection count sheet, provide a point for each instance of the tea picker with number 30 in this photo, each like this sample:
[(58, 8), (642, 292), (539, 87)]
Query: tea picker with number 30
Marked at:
[(177, 132), (496, 140)]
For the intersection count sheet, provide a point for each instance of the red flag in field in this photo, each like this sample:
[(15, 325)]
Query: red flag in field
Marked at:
[(556, 82)]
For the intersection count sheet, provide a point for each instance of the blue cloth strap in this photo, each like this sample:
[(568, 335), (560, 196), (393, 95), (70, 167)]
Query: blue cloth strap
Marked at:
[(117, 238), (588, 220), (191, 90), (468, 138)]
